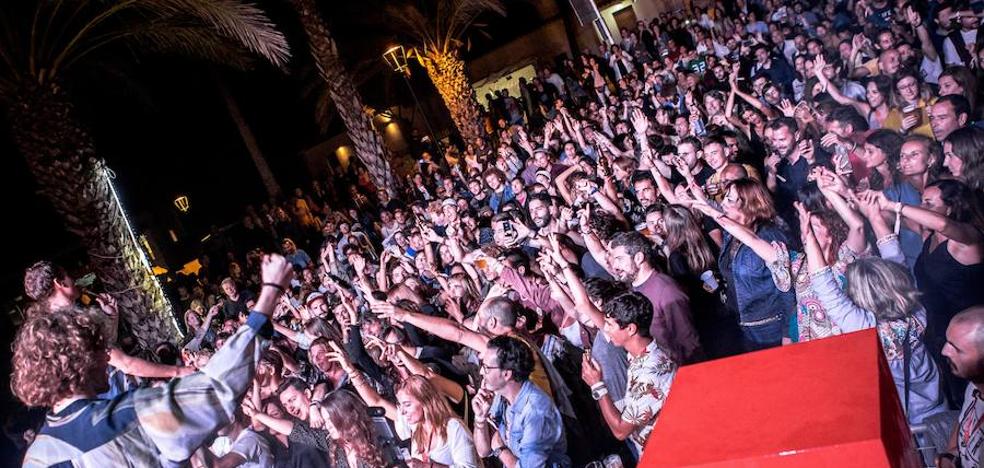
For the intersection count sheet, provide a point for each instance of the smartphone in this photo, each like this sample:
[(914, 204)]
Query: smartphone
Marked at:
[(508, 229), (395, 453)]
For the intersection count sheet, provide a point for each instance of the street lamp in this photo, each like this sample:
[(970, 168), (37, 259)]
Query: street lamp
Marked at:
[(396, 58), (182, 203)]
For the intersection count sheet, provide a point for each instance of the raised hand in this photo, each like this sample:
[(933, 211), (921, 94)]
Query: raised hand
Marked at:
[(390, 311), (337, 355), (868, 203), (707, 210), (787, 108), (806, 229), (107, 303), (275, 269), (481, 404), (639, 121), (827, 180), (912, 17)]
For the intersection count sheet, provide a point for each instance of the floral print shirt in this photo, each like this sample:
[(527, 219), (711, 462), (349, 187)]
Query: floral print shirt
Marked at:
[(650, 376)]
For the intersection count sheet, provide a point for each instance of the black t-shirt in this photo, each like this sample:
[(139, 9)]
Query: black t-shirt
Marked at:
[(701, 177), (233, 309)]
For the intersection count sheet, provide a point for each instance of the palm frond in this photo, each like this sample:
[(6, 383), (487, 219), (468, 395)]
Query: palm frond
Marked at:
[(467, 11), (412, 22), (239, 20), (442, 28), (192, 41)]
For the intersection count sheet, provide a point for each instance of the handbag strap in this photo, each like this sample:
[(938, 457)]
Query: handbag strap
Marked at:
[(907, 360)]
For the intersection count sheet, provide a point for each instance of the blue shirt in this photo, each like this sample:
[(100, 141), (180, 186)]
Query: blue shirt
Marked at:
[(299, 259), (496, 200), (911, 241), (533, 430)]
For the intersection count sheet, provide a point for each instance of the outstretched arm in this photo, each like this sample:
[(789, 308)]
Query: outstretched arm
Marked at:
[(440, 327)]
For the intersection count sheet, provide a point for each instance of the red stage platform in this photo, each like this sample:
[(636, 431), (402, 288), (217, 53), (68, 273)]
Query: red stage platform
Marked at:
[(827, 403)]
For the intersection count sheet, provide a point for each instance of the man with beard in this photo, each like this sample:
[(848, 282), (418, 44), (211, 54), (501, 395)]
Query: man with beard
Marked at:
[(630, 258), (788, 168), (541, 209), (964, 350)]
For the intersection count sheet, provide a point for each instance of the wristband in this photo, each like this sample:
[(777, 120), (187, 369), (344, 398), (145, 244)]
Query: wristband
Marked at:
[(275, 286)]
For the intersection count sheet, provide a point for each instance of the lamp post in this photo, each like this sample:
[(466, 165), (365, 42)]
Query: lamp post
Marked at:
[(396, 58), (182, 203)]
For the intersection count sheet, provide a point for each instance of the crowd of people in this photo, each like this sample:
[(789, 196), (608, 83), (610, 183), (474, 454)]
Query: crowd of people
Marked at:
[(764, 174)]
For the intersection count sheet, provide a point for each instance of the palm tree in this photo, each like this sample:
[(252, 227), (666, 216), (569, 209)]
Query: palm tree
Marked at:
[(439, 37), (368, 142), (44, 45)]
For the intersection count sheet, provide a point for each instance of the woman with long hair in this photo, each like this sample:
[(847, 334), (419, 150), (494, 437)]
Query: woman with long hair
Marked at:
[(839, 232), (199, 328), (352, 444), (878, 107), (879, 294), (950, 268), (423, 415), (758, 288), (692, 262), (963, 155)]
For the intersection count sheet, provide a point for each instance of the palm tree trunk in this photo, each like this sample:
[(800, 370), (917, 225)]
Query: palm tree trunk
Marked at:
[(367, 141), (447, 71), (266, 175), (62, 158)]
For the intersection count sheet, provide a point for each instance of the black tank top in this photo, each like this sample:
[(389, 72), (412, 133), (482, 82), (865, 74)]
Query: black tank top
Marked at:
[(947, 286)]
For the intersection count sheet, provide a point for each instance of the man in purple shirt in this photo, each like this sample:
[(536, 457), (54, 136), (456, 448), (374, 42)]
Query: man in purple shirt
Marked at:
[(672, 326)]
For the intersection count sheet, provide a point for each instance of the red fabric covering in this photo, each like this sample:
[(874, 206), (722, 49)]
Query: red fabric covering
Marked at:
[(825, 403)]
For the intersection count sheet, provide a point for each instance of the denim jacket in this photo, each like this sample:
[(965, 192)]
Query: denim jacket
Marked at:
[(755, 292), (534, 431), (496, 200)]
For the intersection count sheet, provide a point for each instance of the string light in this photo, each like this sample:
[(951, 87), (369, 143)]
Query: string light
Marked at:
[(108, 173)]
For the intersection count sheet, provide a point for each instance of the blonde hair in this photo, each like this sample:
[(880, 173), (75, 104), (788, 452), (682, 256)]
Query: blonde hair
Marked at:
[(882, 287), (437, 412)]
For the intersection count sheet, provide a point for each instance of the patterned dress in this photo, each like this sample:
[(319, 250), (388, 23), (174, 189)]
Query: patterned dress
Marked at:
[(812, 321)]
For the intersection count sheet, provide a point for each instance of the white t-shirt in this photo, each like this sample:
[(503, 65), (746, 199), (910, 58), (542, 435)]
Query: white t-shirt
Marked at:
[(254, 448), (950, 54), (457, 451)]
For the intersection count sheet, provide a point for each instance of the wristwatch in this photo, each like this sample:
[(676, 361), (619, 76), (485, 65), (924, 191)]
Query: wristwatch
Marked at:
[(599, 391), (498, 450)]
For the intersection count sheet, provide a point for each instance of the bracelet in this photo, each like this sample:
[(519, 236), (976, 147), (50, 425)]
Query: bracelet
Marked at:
[(275, 286)]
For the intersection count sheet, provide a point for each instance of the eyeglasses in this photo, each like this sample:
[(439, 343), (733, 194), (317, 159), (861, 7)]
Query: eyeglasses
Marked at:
[(486, 367)]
